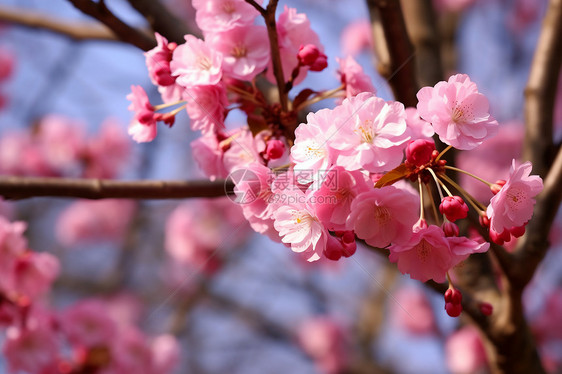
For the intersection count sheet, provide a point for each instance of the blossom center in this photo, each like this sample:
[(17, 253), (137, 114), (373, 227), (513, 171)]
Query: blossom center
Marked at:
[(423, 250), (382, 215), (228, 7), (366, 131), (515, 198), (239, 51), (204, 63), (462, 112)]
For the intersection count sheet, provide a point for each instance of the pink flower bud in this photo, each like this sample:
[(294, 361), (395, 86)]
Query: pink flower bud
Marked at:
[(453, 207), (486, 308), (496, 187), (517, 231), (308, 54), (420, 151), (452, 295), (320, 64), (274, 149), (484, 221), (499, 238), (450, 229)]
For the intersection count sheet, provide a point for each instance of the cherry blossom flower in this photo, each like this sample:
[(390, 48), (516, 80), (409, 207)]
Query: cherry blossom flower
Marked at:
[(158, 62), (208, 155), (465, 352), (32, 274), (353, 77), (324, 339), (93, 221), (462, 247), (334, 197), (214, 16), (311, 152), (242, 149), (245, 51), (513, 205), (143, 127), (206, 107), (87, 324), (412, 311), (419, 129), (166, 353), (196, 63), (297, 224), (371, 133), (426, 256), (458, 112), (31, 350), (357, 37), (108, 152), (383, 216)]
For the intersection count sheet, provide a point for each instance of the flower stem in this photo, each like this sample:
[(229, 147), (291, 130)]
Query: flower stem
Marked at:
[(475, 204), (469, 174), (167, 105), (443, 152)]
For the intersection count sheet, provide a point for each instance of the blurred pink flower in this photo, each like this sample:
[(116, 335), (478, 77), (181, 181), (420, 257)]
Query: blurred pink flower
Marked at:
[(206, 107), (464, 351), (356, 37), (86, 324), (353, 77), (32, 350), (108, 152), (93, 221), (411, 311), (158, 62)]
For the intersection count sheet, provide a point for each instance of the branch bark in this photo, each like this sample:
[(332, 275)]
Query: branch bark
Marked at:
[(74, 30), (123, 31), (399, 69), (540, 92), (163, 21), (23, 188)]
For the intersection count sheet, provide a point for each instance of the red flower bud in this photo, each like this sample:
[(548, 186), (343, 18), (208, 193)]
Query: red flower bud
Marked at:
[(453, 207), (419, 152)]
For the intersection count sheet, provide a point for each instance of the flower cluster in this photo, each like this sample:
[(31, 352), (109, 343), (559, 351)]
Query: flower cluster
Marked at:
[(344, 172)]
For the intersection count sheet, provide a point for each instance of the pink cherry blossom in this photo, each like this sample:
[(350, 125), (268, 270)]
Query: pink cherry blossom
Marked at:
[(419, 151), (208, 154), (158, 62), (166, 353), (196, 63), (453, 207), (426, 256), (61, 141), (419, 129), (465, 352), (108, 153), (245, 51), (513, 205), (353, 77), (458, 112), (311, 152), (462, 247), (214, 16), (12, 246), (371, 133), (143, 127), (32, 274), (297, 224), (357, 37), (324, 339), (31, 350), (87, 324), (94, 221), (294, 31), (242, 149), (206, 107), (130, 353), (334, 197), (411, 311), (20, 155), (383, 216)]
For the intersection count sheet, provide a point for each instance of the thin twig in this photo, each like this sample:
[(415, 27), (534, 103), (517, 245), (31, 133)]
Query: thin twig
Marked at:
[(27, 187), (74, 30), (123, 31)]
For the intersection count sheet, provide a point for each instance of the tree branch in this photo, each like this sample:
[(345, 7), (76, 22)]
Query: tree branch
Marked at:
[(399, 70), (22, 188), (163, 21), (123, 31), (74, 30), (540, 92)]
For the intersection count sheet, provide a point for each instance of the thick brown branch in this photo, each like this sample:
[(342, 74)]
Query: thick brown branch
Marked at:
[(123, 31), (399, 70), (421, 23), (74, 30), (541, 91), (22, 188), (163, 21)]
